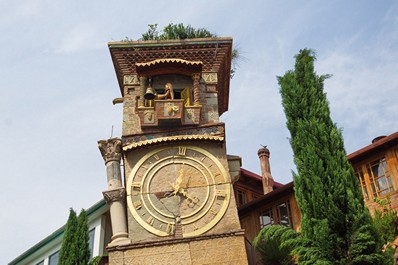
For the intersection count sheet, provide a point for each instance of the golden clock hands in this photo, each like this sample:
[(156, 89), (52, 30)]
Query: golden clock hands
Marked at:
[(177, 189), (192, 200), (163, 194), (186, 183), (176, 185)]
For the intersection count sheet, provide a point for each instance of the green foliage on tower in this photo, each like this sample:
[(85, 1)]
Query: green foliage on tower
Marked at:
[(336, 227), (75, 249), (67, 254), (180, 32), (82, 238), (176, 32)]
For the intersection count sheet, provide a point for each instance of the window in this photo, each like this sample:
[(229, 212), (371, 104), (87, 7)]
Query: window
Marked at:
[(91, 241), (277, 214), (53, 260), (40, 263), (362, 182), (379, 177), (374, 178), (284, 214), (241, 197), (266, 218)]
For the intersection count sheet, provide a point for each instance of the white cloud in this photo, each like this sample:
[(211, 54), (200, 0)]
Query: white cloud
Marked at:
[(363, 89)]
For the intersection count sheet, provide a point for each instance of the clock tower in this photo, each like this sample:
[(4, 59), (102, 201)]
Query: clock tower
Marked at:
[(175, 204)]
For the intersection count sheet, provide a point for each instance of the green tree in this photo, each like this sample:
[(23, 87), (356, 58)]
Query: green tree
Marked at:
[(67, 254), (82, 238), (336, 226), (275, 244), (75, 249)]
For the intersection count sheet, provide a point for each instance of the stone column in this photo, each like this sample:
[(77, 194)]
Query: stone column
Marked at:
[(267, 179), (143, 79), (115, 196), (196, 78)]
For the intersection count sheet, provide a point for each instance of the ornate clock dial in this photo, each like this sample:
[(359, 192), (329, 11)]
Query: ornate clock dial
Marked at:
[(182, 188)]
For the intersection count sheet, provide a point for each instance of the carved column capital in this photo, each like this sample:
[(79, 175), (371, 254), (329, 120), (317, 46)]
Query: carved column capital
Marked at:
[(111, 149), (196, 76), (142, 78), (114, 195)]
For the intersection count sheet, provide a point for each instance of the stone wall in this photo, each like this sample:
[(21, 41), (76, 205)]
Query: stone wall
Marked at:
[(225, 249)]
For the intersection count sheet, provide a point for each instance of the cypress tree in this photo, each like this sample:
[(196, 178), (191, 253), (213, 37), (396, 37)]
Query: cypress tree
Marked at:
[(81, 239), (336, 227), (67, 254)]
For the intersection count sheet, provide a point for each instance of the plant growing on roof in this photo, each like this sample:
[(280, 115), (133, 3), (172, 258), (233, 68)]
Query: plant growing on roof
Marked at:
[(179, 32)]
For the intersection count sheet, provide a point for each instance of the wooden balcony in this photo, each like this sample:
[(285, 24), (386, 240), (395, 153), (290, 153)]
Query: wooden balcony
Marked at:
[(169, 113)]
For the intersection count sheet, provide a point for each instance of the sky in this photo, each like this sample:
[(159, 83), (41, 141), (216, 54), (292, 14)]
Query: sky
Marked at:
[(57, 84)]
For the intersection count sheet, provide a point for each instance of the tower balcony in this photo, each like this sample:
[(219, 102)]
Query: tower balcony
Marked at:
[(169, 113)]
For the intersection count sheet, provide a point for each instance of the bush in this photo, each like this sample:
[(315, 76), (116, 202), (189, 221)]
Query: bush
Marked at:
[(275, 244)]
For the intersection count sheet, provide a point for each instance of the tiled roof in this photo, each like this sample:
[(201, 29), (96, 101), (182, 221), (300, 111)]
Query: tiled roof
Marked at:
[(373, 148), (256, 177)]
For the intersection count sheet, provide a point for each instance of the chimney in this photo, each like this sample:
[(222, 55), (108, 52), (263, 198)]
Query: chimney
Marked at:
[(268, 181)]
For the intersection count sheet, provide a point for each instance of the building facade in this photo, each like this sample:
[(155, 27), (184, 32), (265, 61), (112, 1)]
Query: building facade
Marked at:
[(376, 167)]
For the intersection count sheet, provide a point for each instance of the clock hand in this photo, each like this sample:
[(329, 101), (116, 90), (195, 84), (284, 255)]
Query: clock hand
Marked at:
[(163, 194), (176, 185), (192, 199)]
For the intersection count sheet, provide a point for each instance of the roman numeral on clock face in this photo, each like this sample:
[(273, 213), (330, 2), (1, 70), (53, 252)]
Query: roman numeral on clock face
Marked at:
[(137, 204), (150, 220), (220, 194), (136, 186), (170, 229), (182, 150)]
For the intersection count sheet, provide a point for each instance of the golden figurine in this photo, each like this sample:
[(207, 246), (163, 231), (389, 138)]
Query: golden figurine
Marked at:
[(168, 92)]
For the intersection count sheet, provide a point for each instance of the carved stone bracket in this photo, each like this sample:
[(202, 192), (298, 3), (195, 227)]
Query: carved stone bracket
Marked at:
[(111, 149), (114, 195)]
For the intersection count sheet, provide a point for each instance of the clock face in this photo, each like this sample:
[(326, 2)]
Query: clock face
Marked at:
[(178, 190)]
